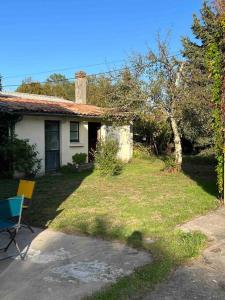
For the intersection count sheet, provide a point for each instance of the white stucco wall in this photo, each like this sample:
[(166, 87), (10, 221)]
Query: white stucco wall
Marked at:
[(124, 136), (33, 128)]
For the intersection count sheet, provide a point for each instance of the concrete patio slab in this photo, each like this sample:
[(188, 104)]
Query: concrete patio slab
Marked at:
[(60, 266)]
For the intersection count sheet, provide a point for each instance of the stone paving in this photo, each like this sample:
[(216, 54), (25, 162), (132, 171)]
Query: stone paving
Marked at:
[(60, 266)]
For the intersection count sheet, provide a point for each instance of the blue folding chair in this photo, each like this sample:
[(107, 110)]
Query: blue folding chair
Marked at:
[(10, 217)]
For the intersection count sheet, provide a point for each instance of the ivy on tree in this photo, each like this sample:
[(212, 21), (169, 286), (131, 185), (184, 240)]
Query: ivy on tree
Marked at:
[(205, 62)]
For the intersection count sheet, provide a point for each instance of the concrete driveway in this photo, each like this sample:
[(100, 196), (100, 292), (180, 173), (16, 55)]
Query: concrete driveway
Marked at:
[(60, 266)]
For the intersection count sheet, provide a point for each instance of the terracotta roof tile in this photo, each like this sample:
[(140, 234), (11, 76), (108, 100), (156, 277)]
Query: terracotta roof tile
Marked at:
[(14, 104)]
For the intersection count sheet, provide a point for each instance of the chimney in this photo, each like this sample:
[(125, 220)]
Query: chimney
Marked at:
[(80, 87)]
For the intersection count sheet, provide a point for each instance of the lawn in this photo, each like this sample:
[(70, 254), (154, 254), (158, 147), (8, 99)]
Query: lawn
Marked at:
[(141, 204)]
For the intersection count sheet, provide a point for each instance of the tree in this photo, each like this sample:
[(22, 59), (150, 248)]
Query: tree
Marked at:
[(55, 85), (31, 87), (218, 73), (220, 7), (129, 92), (164, 86), (99, 90), (153, 130), (205, 68), (199, 84), (152, 82), (58, 85)]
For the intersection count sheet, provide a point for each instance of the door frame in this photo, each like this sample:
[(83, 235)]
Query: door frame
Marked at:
[(96, 126), (59, 156)]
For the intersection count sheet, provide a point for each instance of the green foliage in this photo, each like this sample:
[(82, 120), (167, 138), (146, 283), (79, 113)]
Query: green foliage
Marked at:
[(99, 90), (206, 156), (142, 152), (206, 72), (106, 160), (214, 62), (196, 113), (162, 88), (22, 156), (155, 130), (133, 207), (31, 87), (79, 158), (56, 85), (67, 169), (170, 163)]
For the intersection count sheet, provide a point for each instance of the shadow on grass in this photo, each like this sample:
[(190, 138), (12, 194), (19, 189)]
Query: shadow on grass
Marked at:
[(101, 226), (202, 171), (50, 192), (168, 252)]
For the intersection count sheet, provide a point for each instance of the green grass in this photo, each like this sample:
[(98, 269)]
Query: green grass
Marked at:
[(142, 202)]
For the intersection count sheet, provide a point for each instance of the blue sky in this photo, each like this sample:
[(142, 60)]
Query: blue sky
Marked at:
[(42, 35)]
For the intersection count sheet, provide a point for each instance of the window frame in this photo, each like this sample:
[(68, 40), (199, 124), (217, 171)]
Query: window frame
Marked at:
[(77, 131)]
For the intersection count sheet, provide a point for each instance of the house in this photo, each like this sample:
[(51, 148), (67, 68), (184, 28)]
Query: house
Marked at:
[(60, 128)]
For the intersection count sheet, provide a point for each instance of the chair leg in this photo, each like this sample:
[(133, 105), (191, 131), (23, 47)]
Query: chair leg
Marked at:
[(25, 225), (18, 249), (12, 237), (13, 240), (29, 227)]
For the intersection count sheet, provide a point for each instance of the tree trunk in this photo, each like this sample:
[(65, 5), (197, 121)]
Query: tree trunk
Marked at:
[(177, 143)]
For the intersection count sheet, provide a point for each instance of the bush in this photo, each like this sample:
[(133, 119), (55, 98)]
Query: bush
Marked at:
[(170, 164), (67, 169), (22, 157), (140, 151), (106, 160), (79, 158), (205, 157)]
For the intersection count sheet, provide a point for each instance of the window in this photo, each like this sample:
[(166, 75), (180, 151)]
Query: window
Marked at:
[(74, 132)]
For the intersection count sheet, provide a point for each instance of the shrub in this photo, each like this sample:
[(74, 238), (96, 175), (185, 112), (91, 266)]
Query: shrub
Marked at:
[(67, 169), (140, 151), (204, 157), (79, 158), (22, 157), (170, 164), (106, 160)]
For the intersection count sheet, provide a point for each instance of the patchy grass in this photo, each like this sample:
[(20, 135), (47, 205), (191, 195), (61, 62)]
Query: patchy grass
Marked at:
[(142, 202)]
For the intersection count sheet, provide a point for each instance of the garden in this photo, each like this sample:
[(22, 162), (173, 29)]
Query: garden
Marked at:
[(141, 206)]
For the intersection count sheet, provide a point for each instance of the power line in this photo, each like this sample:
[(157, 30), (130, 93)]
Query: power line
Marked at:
[(70, 79), (64, 69), (41, 82), (64, 80)]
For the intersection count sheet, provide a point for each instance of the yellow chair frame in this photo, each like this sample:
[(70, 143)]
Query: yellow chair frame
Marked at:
[(26, 189)]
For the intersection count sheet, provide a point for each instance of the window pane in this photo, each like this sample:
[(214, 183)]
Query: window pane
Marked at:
[(74, 131), (73, 136), (51, 126), (74, 126), (52, 141)]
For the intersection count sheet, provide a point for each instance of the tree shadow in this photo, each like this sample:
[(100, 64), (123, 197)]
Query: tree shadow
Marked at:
[(202, 171), (166, 254), (102, 227), (135, 239), (50, 192)]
